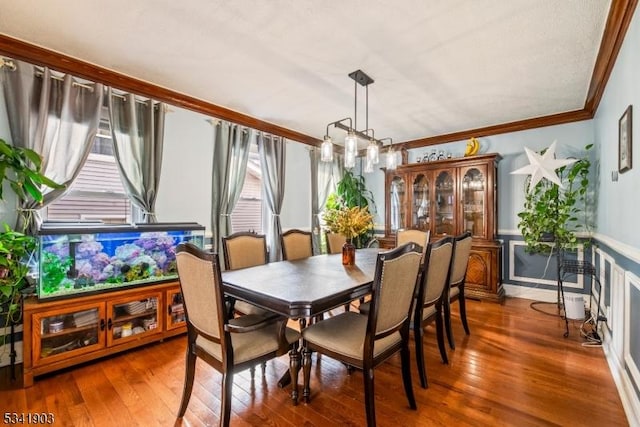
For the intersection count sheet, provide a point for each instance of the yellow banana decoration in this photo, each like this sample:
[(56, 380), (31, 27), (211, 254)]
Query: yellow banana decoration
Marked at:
[(472, 148)]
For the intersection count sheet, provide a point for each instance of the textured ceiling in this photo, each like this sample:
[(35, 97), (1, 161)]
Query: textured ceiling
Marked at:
[(439, 66)]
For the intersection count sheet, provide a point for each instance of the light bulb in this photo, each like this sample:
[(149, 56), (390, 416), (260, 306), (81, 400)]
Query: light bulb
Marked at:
[(373, 153), (351, 143), (326, 150), (391, 159), (368, 165), (349, 159)]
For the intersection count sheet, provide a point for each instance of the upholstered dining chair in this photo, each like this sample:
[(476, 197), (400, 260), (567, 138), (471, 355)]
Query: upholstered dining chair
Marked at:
[(403, 237), (296, 244), (243, 250), (456, 284), (416, 236), (432, 294), (334, 242), (364, 342), (228, 345)]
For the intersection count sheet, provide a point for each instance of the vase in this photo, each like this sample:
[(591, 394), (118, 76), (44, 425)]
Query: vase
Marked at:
[(348, 253)]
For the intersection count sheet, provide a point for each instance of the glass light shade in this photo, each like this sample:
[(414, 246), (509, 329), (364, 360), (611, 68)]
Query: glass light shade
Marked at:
[(368, 165), (373, 153), (391, 159), (326, 150), (351, 144), (349, 159)]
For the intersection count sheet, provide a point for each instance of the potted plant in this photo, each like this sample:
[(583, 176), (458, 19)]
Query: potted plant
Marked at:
[(554, 214), (351, 223), (351, 191), (21, 169)]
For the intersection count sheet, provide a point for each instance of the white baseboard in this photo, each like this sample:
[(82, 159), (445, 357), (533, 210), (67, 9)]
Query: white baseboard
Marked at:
[(628, 396)]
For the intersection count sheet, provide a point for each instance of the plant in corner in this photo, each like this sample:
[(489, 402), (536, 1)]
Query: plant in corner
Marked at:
[(554, 214), (21, 169)]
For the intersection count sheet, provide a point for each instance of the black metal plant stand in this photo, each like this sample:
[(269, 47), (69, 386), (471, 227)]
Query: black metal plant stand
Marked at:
[(567, 268)]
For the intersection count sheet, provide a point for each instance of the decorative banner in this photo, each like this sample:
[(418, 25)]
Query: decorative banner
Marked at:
[(543, 166)]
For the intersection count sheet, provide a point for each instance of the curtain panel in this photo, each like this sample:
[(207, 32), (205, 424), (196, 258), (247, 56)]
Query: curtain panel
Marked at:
[(272, 150), (231, 145), (321, 180), (137, 129), (55, 115)]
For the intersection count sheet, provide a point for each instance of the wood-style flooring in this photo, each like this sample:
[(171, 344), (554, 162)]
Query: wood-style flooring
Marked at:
[(515, 369)]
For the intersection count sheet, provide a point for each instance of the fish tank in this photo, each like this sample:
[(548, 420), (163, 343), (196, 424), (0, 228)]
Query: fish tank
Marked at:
[(81, 258)]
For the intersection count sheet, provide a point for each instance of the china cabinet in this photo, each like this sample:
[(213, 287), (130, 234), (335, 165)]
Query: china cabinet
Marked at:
[(449, 197), (63, 333)]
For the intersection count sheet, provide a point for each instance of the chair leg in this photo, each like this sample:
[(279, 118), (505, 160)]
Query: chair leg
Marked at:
[(190, 371), (418, 334), (447, 324), (306, 373), (227, 395), (463, 309), (406, 373), (369, 396), (440, 336)]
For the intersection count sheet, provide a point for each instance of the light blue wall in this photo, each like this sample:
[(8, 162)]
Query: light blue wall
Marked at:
[(619, 202)]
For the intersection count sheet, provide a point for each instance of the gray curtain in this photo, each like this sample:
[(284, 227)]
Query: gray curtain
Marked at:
[(272, 151), (231, 145), (58, 118), (321, 179), (137, 129)]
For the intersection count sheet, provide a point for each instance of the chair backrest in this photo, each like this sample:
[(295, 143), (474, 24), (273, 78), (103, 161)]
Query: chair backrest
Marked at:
[(415, 236), (461, 258), (393, 289), (335, 242), (296, 244), (199, 274), (437, 270), (244, 249)]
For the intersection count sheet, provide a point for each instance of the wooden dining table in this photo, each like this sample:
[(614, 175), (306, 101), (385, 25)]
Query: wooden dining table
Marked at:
[(303, 289)]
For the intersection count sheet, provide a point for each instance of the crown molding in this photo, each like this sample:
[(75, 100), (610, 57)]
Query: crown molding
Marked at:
[(618, 20)]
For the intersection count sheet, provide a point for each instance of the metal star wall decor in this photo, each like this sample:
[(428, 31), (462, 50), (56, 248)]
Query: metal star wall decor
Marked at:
[(543, 166)]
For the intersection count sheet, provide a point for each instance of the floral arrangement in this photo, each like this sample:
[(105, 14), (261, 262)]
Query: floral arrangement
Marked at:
[(350, 222)]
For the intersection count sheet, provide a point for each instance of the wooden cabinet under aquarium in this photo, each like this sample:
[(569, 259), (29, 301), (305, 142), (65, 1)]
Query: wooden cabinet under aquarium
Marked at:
[(103, 289), (450, 197), (62, 333)]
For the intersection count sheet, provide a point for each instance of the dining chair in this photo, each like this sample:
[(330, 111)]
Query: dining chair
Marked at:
[(403, 237), (296, 244), (417, 236), (228, 345), (456, 284), (334, 242), (431, 295), (242, 250), (364, 342)]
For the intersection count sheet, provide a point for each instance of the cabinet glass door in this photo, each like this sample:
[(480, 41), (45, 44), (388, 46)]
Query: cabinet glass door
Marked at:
[(420, 206), (445, 202), (175, 310), (134, 317), (397, 203), (58, 334), (473, 201)]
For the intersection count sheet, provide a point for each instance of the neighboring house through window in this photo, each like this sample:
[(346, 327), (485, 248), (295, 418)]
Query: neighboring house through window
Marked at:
[(247, 214)]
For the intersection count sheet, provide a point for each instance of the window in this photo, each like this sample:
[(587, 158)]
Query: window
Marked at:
[(247, 215), (97, 193)]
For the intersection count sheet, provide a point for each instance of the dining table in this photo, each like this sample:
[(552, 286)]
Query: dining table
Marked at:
[(303, 289)]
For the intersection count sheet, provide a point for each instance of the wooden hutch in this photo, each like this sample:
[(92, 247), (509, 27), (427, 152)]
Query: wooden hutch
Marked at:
[(449, 197)]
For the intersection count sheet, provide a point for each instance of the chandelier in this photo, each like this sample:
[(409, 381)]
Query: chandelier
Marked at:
[(353, 134)]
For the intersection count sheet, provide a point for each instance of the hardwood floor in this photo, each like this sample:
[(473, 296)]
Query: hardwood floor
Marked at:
[(515, 369)]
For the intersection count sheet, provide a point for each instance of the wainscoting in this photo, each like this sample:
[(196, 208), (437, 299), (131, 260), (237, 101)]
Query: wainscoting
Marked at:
[(618, 269)]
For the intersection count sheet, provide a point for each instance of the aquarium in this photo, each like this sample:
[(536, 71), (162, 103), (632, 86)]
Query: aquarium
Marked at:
[(86, 258)]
